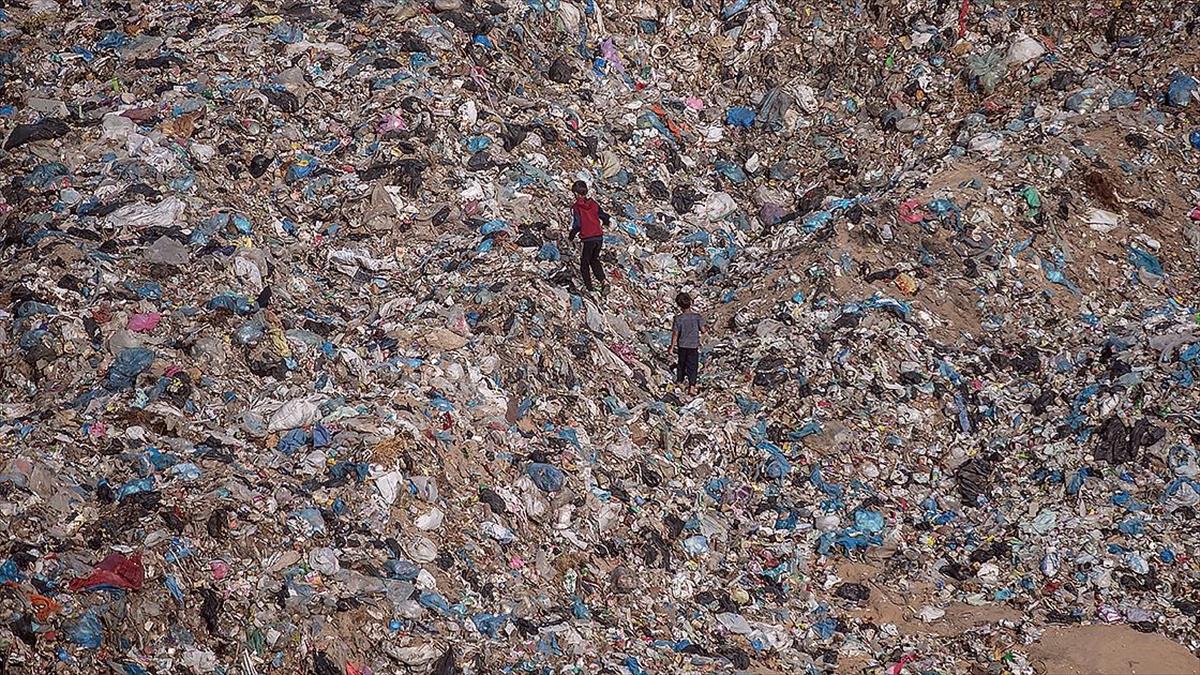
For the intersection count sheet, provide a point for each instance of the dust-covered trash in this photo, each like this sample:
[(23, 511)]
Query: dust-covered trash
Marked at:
[(299, 373)]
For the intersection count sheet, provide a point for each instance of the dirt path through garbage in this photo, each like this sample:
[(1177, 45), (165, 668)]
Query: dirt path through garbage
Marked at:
[(1110, 650)]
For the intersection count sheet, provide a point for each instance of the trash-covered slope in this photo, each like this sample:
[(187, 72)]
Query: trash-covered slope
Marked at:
[(298, 375)]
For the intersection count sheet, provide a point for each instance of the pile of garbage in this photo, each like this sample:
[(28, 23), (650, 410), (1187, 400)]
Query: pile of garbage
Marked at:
[(298, 374)]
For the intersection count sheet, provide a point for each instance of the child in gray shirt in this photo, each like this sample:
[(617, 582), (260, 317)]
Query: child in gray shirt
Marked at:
[(685, 340)]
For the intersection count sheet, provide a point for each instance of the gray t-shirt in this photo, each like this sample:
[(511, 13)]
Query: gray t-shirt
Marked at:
[(687, 327)]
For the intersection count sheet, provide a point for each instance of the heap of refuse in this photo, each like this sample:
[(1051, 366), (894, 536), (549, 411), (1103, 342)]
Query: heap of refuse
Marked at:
[(298, 374)]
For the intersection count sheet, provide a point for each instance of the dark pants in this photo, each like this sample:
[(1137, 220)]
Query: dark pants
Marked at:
[(688, 365), (589, 262)]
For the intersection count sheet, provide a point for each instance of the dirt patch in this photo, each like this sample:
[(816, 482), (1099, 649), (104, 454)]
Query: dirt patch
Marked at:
[(889, 603), (1110, 650), (953, 178), (961, 617), (1062, 650), (954, 308)]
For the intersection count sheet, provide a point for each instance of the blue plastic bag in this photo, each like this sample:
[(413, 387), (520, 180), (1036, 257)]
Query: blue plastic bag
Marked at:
[(135, 486), (32, 307), (777, 465), (868, 521), (548, 478), (129, 364), (816, 220), (292, 441), (740, 116), (549, 252), (1121, 98), (1145, 261), (242, 223), (731, 171), (320, 436), (87, 632), (402, 570), (489, 624), (478, 144), (1181, 90), (44, 174), (492, 227), (287, 33), (9, 572), (231, 302), (431, 600), (733, 8)]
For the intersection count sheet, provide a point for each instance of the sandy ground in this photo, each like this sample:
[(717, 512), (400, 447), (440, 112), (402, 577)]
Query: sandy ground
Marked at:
[(1087, 650), (1061, 650)]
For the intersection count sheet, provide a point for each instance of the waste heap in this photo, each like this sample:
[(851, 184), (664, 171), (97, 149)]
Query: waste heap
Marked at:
[(298, 375)]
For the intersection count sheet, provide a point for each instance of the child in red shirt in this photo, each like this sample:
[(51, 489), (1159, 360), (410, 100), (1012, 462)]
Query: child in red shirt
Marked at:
[(586, 220)]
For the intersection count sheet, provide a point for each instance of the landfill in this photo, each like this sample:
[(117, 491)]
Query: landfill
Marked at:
[(297, 373)]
